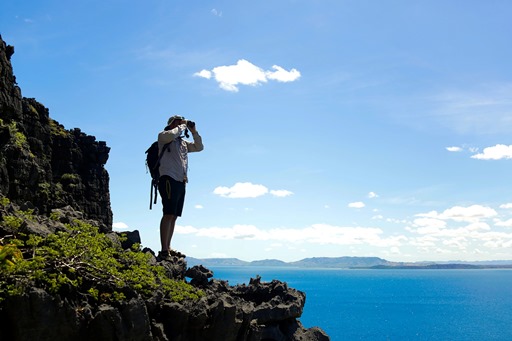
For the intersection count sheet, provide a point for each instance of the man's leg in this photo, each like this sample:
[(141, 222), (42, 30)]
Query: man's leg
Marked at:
[(167, 230)]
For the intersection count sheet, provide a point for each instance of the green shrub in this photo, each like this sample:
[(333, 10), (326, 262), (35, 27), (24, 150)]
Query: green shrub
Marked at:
[(9, 256), (86, 261), (12, 222), (70, 179), (33, 111), (55, 216), (4, 201), (58, 129), (20, 140), (28, 214)]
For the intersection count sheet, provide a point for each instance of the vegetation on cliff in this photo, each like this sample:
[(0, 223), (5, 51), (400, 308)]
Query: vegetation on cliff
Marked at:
[(80, 261)]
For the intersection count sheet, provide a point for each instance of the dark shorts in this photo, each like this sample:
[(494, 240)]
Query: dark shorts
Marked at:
[(172, 193)]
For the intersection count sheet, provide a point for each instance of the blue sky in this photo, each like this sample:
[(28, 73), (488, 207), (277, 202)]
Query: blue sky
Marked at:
[(331, 128)]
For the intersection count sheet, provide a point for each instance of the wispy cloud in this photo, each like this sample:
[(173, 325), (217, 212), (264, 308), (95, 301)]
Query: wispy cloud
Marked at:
[(216, 12), (485, 109), (462, 148), (281, 193), (25, 20), (248, 190), (244, 72)]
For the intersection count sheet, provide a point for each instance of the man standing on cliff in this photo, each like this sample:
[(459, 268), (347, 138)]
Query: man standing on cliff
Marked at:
[(173, 176)]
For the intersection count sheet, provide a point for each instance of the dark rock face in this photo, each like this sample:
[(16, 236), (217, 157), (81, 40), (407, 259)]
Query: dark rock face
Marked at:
[(45, 164)]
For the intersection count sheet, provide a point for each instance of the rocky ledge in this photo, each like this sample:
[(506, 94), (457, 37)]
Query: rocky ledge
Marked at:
[(257, 311)]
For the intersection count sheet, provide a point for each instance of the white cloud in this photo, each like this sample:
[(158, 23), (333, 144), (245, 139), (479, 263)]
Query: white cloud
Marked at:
[(358, 204), (185, 229), (246, 73), (427, 230), (459, 243), (471, 213), (281, 193), (316, 234), (203, 74), (249, 190), (395, 250), (235, 232), (508, 205), (497, 152), (454, 149), (281, 75), (424, 241), (478, 226), (199, 207), (459, 213), (432, 222), (460, 229), (456, 231), (241, 190), (120, 226), (507, 223), (372, 195)]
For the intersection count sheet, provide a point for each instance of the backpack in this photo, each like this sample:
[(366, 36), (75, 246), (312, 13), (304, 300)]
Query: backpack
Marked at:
[(153, 157)]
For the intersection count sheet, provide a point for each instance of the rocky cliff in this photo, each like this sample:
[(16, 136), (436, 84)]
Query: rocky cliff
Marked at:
[(42, 163), (52, 178)]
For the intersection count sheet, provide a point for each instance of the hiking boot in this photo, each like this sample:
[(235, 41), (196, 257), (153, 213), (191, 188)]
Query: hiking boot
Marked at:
[(164, 255), (177, 254)]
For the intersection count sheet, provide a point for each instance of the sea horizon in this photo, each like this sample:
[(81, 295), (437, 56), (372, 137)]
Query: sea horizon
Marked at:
[(351, 262)]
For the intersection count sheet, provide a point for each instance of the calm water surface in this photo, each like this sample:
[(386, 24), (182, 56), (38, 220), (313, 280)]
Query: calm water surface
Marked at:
[(397, 304)]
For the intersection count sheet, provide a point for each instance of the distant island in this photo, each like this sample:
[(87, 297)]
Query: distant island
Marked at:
[(352, 263)]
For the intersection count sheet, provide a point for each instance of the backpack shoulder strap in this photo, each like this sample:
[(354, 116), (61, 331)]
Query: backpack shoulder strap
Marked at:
[(154, 182), (162, 153)]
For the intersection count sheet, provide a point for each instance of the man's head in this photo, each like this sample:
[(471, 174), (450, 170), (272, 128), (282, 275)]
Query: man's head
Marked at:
[(176, 120)]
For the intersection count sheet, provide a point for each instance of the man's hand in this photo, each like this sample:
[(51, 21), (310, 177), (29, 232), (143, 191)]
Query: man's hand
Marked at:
[(192, 129)]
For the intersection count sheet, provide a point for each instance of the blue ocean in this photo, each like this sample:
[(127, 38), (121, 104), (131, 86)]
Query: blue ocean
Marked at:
[(397, 304)]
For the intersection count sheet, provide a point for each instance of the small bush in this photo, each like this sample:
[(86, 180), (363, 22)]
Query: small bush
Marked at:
[(85, 261), (57, 129), (12, 222), (55, 216), (4, 201)]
